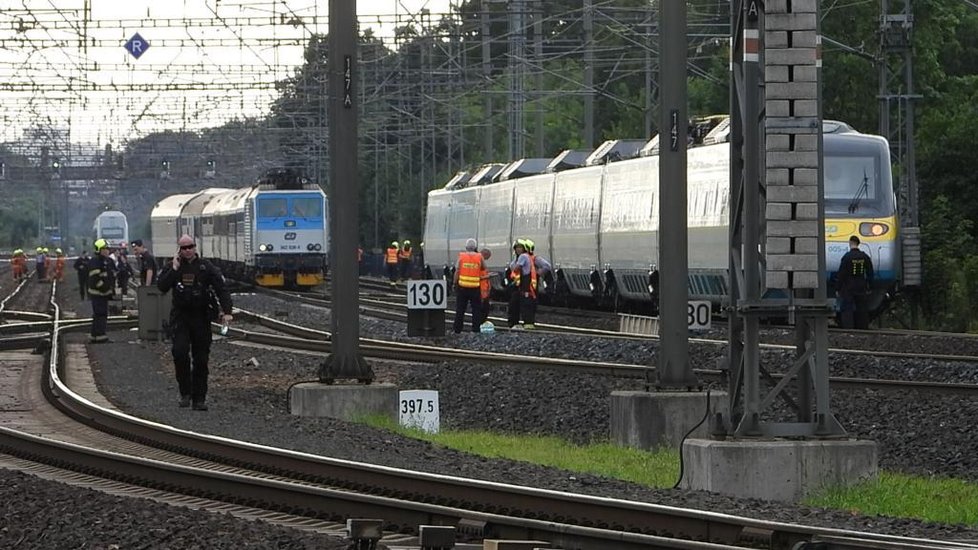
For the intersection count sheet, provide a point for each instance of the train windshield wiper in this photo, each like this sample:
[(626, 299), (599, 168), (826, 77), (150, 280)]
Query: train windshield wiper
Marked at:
[(863, 191)]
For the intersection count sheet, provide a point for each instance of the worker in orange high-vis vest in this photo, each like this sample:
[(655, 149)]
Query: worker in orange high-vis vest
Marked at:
[(390, 259), (405, 257), (468, 276), (485, 285), (523, 300)]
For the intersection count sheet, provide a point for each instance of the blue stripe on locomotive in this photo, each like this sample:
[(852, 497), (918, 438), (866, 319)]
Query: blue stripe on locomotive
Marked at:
[(293, 211)]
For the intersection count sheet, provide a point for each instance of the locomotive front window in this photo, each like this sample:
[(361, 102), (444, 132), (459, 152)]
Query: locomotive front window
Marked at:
[(849, 176), (307, 208), (273, 208), (113, 232)]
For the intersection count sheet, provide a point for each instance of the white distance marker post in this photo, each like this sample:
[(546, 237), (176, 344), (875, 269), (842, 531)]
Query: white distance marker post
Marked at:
[(419, 409)]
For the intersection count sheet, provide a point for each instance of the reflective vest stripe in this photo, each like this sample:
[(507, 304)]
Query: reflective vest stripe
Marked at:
[(470, 267), (392, 255), (404, 254)]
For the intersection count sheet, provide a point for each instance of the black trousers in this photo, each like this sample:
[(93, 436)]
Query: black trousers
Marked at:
[(100, 316), (191, 336), (392, 272), (521, 304), (82, 284), (124, 284), (464, 297)]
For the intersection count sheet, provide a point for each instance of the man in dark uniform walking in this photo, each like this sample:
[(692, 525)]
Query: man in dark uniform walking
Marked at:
[(195, 283), (101, 287), (854, 278)]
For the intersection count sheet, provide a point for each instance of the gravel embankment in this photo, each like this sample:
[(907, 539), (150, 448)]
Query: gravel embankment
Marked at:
[(248, 399)]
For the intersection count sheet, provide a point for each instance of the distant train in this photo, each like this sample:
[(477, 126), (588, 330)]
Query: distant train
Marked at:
[(112, 226), (273, 233), (595, 215)]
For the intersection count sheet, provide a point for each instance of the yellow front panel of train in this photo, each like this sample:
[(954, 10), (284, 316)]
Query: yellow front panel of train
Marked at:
[(869, 230)]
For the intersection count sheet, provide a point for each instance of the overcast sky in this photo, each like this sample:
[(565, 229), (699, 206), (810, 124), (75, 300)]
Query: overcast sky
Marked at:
[(221, 71)]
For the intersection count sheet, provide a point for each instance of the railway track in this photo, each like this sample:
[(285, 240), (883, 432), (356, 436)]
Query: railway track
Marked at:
[(116, 446), (391, 310)]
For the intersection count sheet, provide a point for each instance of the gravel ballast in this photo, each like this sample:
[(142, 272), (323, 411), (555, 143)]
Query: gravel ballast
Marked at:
[(248, 401)]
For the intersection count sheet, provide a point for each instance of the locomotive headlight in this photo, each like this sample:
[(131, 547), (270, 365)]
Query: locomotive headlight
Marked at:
[(873, 229), (318, 247), (262, 247), (269, 247), (310, 247)]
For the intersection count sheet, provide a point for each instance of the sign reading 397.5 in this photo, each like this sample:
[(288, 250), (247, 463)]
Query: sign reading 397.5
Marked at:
[(427, 294)]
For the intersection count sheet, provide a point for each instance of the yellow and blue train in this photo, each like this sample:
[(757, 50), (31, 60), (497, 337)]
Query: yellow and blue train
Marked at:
[(595, 215)]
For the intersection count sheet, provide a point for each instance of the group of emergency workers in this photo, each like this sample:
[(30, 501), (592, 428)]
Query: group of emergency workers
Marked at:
[(42, 263), (473, 283), (399, 260)]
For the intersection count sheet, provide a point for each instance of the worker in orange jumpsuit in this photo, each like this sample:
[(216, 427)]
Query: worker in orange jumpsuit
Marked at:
[(59, 265), (18, 264)]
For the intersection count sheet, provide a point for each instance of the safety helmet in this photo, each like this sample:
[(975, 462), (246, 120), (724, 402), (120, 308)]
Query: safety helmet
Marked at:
[(406, 242), (45, 250), (529, 245), (40, 249), (100, 244), (58, 251), (394, 244)]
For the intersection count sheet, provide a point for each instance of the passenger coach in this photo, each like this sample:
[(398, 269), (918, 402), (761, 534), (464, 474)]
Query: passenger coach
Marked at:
[(595, 215)]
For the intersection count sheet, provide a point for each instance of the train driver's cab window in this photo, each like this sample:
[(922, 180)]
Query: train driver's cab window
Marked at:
[(307, 208), (849, 177), (273, 208)]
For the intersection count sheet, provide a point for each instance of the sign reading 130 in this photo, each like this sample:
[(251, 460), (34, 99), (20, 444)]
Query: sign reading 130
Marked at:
[(698, 315), (427, 294)]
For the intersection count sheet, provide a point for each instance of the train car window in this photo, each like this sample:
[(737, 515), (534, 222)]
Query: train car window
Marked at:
[(307, 207), (273, 208)]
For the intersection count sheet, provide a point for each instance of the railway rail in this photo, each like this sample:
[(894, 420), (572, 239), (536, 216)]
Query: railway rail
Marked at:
[(118, 446), (386, 309)]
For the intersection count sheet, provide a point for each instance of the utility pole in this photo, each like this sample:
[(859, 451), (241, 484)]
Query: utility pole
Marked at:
[(589, 75), (673, 369), (344, 360), (897, 99), (538, 64), (517, 75), (486, 79)]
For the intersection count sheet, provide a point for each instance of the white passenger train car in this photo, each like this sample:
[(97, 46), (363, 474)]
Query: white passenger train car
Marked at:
[(598, 222)]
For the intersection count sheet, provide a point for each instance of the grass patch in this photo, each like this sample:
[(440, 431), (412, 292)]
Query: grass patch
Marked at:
[(655, 469), (935, 499)]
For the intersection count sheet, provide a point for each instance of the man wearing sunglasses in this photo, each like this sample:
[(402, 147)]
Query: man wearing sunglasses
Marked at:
[(196, 284)]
